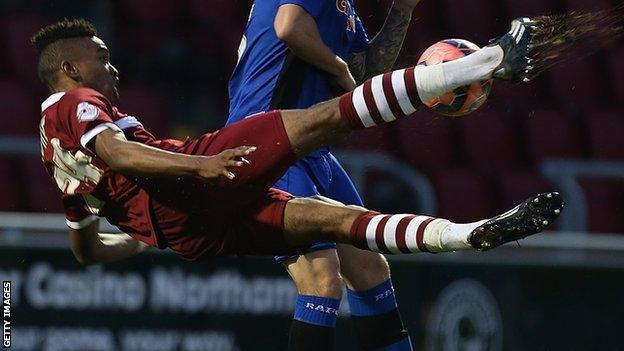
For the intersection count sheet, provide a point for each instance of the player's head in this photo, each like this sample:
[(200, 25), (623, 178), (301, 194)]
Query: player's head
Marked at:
[(71, 55)]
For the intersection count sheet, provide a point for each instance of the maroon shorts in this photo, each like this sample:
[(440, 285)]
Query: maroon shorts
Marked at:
[(244, 216)]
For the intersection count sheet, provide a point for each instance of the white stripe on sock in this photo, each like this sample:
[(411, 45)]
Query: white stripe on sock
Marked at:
[(390, 233), (371, 230), (361, 108), (398, 84), (380, 99), (410, 233)]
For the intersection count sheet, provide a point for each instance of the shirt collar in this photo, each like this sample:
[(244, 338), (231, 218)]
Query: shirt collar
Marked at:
[(51, 100)]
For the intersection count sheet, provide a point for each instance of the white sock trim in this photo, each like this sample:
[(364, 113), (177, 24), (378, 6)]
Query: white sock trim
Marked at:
[(398, 83), (380, 99), (390, 233), (361, 108), (371, 231)]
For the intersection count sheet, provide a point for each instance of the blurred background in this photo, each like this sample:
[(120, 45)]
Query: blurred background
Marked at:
[(563, 290)]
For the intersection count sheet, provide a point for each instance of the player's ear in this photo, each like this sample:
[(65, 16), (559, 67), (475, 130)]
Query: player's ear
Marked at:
[(70, 70)]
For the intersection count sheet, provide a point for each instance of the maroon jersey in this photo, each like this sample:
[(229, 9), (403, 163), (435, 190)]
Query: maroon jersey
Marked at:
[(70, 121), (195, 218)]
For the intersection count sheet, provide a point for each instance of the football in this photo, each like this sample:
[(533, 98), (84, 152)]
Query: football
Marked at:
[(463, 100)]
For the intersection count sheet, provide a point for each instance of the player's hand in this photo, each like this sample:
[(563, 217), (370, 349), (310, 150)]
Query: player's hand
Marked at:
[(344, 82), (219, 166)]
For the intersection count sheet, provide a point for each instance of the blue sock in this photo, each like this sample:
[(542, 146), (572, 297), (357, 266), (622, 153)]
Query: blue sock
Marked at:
[(377, 320), (317, 310)]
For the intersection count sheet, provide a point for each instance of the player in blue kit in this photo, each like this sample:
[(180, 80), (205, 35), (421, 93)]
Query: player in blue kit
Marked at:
[(296, 53)]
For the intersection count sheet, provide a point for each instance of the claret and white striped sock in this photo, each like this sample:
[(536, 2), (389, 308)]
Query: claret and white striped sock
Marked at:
[(381, 99), (405, 234), (390, 96)]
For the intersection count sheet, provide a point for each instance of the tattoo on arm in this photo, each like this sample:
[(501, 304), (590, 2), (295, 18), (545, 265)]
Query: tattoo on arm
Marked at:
[(357, 66), (385, 47)]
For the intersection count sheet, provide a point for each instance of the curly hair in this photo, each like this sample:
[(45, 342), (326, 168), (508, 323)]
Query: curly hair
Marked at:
[(48, 39)]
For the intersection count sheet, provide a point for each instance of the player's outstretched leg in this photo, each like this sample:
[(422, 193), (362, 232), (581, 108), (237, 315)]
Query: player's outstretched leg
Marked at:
[(391, 96), (308, 221)]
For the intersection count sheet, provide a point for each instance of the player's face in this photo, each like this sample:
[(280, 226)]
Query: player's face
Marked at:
[(97, 72)]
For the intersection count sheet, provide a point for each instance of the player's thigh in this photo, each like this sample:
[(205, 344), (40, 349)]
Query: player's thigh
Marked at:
[(258, 229), (316, 273), (317, 126), (362, 270)]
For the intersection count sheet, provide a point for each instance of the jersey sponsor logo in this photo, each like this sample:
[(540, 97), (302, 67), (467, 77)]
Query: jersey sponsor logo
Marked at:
[(87, 112)]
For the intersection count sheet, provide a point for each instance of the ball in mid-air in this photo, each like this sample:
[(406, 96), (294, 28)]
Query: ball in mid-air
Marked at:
[(463, 100)]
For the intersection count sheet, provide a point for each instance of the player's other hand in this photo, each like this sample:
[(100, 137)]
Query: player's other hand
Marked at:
[(220, 165), (344, 82)]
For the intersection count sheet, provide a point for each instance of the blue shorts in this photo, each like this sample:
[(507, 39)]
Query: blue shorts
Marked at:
[(318, 174)]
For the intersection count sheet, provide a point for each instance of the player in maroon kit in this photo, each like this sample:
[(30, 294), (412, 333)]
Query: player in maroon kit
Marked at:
[(212, 196)]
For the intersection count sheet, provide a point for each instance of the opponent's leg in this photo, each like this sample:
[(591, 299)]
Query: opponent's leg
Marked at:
[(393, 95), (319, 284), (307, 221), (374, 309), (315, 271)]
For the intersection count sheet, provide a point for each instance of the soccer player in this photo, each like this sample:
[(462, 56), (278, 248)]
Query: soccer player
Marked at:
[(294, 54), (212, 196)]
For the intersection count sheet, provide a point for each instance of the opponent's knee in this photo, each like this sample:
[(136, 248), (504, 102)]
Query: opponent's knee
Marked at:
[(329, 284), (372, 270), (318, 276), (324, 285)]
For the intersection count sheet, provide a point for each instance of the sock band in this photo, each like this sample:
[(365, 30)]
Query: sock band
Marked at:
[(402, 227), (390, 234), (372, 302), (371, 104), (382, 99), (321, 311), (391, 98), (420, 235), (405, 103), (410, 85), (380, 239)]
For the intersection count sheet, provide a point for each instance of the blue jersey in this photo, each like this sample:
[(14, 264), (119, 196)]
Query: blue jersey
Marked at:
[(269, 76)]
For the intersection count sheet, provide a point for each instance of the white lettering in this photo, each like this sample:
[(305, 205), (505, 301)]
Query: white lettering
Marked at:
[(221, 292), (92, 288), (384, 295), (6, 314), (6, 333)]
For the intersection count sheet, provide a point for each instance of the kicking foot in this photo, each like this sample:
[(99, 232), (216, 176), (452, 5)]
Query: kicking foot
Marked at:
[(516, 44), (528, 218)]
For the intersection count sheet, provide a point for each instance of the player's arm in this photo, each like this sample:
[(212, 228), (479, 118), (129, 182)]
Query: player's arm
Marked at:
[(90, 247), (298, 30), (384, 48), (128, 157)]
